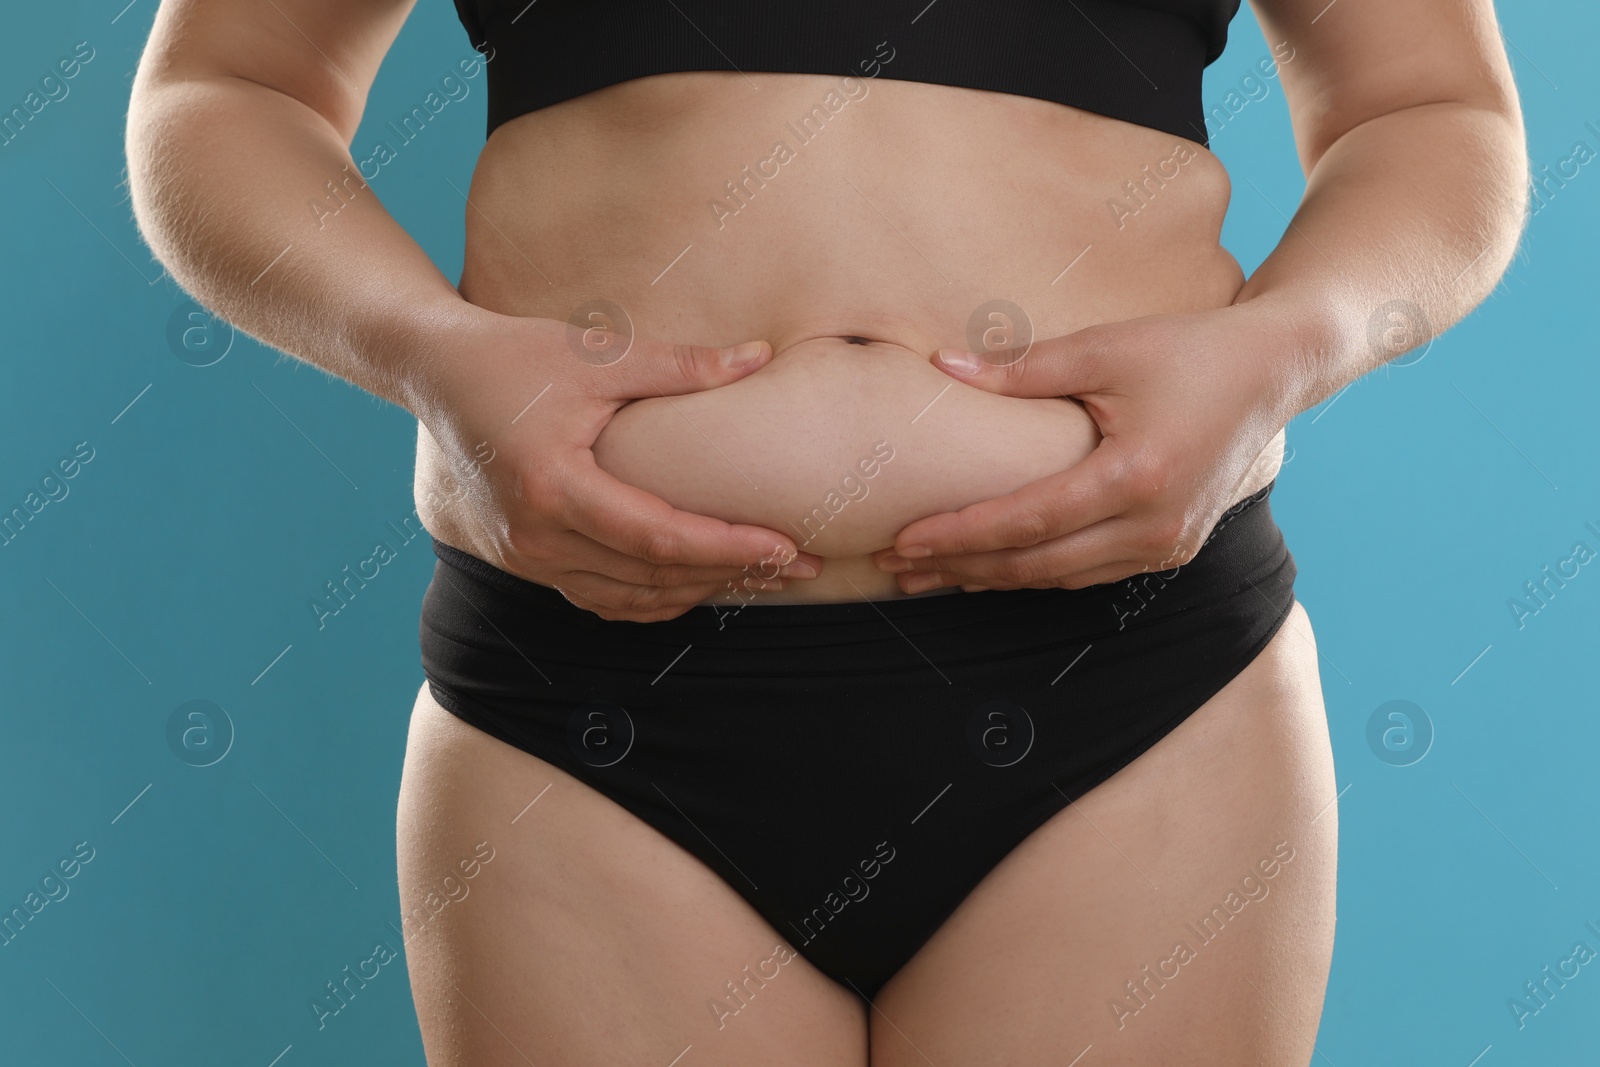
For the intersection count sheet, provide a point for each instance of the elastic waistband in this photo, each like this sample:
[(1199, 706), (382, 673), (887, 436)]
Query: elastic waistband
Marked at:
[(1245, 548)]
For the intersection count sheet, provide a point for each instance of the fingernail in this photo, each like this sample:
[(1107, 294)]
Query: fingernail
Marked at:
[(919, 583), (894, 564), (914, 552), (798, 569), (741, 356), (956, 361)]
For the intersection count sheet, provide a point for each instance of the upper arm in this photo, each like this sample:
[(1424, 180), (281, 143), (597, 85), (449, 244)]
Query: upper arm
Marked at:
[(1355, 60), (324, 53)]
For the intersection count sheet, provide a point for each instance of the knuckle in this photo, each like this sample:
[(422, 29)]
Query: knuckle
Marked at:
[(1127, 479), (667, 574), (1145, 474), (1095, 344), (527, 543), (643, 598), (521, 541), (1017, 570), (1165, 536), (1014, 370), (539, 489), (686, 359), (1030, 527), (657, 545)]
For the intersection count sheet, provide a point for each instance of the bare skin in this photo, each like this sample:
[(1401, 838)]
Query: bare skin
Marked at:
[(850, 241), (1185, 373)]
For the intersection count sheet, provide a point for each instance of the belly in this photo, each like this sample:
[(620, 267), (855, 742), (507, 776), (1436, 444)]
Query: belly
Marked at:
[(857, 225), (840, 445)]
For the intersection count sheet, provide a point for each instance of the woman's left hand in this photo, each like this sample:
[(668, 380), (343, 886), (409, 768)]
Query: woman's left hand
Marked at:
[(1185, 403)]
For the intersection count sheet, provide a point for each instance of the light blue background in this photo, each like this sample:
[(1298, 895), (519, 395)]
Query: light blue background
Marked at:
[(219, 900)]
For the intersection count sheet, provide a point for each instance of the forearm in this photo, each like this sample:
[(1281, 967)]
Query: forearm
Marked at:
[(1418, 209), (229, 181)]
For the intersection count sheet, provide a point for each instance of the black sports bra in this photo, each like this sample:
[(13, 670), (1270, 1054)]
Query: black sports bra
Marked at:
[(1135, 60)]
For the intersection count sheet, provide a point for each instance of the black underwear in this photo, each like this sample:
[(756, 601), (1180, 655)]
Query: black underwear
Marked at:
[(1135, 60), (854, 770)]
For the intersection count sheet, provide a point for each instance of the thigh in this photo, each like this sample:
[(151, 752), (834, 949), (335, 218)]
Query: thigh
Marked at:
[(546, 924), (1181, 912)]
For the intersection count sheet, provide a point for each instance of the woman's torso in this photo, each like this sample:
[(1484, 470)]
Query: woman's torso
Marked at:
[(819, 212)]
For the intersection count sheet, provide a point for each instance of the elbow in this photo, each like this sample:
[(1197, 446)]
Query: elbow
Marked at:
[(170, 141), (1497, 141), (150, 123)]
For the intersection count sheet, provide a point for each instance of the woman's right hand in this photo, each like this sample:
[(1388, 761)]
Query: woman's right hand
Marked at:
[(512, 407)]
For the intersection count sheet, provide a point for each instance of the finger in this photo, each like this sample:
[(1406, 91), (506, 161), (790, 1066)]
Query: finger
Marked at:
[(643, 526), (922, 581), (579, 553), (1103, 552), (659, 368), (1086, 493), (612, 599), (613, 615), (1115, 572), (1119, 571), (587, 554), (1056, 366)]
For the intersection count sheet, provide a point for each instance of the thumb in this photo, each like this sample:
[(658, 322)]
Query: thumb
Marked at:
[(656, 368), (1088, 492), (1056, 366)]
